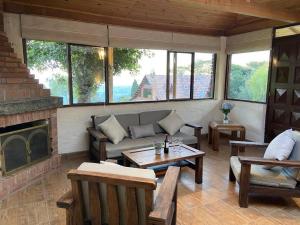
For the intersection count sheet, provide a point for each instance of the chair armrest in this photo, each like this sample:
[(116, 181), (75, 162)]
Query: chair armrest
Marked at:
[(97, 134), (269, 162), (164, 205), (66, 201), (247, 144), (194, 125)]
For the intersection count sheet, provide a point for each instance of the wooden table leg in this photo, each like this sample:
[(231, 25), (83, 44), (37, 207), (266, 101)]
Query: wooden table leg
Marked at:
[(199, 170), (234, 135), (209, 134), (215, 139), (242, 138)]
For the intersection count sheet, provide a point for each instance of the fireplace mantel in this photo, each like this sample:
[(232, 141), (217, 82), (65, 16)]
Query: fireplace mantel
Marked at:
[(29, 105)]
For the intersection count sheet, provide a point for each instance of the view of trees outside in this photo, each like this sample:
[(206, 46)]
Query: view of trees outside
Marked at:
[(48, 61), (204, 75), (137, 74), (149, 73), (248, 76)]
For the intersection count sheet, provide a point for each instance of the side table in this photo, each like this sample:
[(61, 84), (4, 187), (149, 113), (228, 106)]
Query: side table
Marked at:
[(215, 127)]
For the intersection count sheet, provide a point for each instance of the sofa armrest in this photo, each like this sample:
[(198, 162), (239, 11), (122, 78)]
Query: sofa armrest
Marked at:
[(165, 204), (269, 162), (194, 125), (97, 134)]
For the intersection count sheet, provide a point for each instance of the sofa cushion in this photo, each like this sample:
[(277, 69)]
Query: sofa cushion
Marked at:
[(152, 117), (295, 155), (186, 138), (113, 130), (124, 119), (141, 131), (110, 168), (115, 150), (171, 123), (274, 177)]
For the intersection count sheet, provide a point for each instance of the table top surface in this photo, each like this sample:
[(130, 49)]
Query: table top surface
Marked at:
[(145, 157), (231, 124)]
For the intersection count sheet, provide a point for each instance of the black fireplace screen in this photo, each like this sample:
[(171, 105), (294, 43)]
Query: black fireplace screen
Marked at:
[(23, 147)]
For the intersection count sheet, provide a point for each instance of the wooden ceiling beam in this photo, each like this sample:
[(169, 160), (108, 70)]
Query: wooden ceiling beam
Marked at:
[(253, 26), (23, 8), (248, 8)]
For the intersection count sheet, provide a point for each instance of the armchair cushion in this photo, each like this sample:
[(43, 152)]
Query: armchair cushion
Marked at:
[(115, 169), (280, 147), (274, 177), (295, 155)]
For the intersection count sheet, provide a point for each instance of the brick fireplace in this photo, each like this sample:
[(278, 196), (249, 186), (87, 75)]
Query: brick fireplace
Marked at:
[(24, 100)]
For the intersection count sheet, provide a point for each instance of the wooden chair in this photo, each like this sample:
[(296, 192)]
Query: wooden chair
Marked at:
[(162, 212), (246, 186)]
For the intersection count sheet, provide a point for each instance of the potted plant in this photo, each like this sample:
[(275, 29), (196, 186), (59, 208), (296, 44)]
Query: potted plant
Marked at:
[(226, 107)]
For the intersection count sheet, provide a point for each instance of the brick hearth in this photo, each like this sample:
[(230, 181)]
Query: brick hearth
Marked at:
[(22, 100)]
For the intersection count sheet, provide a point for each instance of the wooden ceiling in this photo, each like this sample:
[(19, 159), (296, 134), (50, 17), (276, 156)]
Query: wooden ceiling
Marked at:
[(206, 17)]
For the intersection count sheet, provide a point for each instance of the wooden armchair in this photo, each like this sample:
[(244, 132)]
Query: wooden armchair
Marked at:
[(247, 182), (117, 208)]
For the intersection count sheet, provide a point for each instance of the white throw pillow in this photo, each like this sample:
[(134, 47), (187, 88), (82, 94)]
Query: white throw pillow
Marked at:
[(281, 146), (171, 123), (113, 130)]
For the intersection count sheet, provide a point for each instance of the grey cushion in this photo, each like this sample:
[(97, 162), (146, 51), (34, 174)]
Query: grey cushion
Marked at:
[(186, 138), (295, 155), (113, 150), (141, 131), (124, 119), (152, 117), (274, 177)]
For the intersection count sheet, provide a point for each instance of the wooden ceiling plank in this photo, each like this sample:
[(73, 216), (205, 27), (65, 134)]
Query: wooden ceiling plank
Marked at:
[(17, 7), (246, 7)]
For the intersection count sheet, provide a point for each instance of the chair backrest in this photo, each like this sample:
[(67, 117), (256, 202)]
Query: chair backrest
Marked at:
[(112, 194)]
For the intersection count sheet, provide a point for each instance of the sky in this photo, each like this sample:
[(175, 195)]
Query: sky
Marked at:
[(244, 58)]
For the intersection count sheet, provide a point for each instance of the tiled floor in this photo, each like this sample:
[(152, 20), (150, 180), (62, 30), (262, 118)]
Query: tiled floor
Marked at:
[(213, 202)]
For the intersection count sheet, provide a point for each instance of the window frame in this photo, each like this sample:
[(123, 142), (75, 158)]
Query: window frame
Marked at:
[(227, 78), (107, 102)]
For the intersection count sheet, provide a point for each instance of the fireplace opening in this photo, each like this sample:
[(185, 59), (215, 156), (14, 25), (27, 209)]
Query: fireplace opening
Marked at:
[(23, 145)]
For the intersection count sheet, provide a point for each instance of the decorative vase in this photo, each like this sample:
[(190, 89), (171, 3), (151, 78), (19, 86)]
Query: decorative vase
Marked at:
[(225, 120)]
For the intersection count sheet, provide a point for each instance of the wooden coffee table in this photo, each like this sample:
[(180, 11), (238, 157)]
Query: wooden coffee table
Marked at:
[(146, 157)]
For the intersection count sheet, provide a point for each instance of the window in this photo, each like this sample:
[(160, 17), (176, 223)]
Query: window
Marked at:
[(180, 67), (248, 76), (88, 74), (48, 62), (95, 75), (204, 71), (138, 75)]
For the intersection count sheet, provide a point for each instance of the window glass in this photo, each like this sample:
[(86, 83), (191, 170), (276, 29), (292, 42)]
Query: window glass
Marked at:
[(48, 62), (88, 74), (204, 75), (248, 76), (137, 75), (180, 75)]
